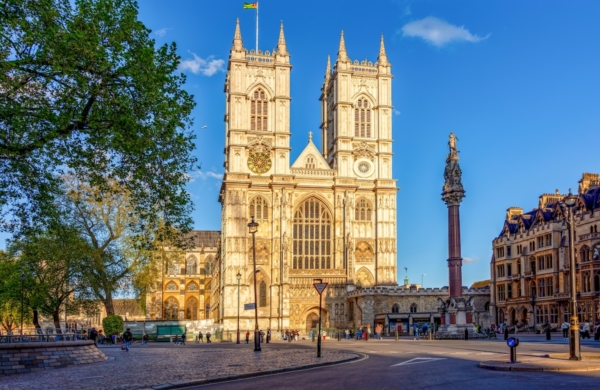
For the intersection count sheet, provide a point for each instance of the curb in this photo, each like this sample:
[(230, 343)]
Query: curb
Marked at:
[(226, 378), (528, 368)]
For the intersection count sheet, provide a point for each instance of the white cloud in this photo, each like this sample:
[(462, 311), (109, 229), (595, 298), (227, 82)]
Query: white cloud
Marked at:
[(161, 32), (205, 175), (438, 32), (207, 67), (470, 260), (396, 112)]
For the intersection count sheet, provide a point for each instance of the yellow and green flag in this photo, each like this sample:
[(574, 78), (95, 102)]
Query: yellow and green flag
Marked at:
[(251, 5)]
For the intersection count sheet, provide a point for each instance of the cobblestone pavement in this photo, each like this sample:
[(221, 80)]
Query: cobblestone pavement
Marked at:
[(155, 364)]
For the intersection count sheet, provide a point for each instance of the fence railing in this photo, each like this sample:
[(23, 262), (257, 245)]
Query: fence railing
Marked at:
[(41, 337)]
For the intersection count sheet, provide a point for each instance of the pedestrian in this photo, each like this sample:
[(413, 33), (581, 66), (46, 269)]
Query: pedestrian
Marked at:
[(425, 329), (565, 329), (262, 336), (176, 340), (127, 337), (94, 336), (268, 335), (183, 337), (378, 331), (247, 336), (208, 338), (586, 330), (200, 337)]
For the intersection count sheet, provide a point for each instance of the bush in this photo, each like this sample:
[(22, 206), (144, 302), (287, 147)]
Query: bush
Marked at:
[(112, 324)]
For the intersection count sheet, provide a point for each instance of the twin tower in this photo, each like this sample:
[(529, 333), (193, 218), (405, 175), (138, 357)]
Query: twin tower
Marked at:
[(331, 214)]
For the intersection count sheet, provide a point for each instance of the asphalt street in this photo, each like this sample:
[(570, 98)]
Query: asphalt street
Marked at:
[(414, 364)]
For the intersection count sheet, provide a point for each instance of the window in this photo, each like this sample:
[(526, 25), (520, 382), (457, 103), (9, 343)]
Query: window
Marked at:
[(540, 242), (549, 287), (508, 251), (596, 252), (584, 253), (362, 119), (500, 252), (587, 282), (532, 264), (192, 267), (553, 315), (312, 246), (500, 271), (341, 309), (395, 308), (262, 294), (519, 267), (548, 261), (519, 292), (541, 264), (539, 317), (519, 249), (259, 111), (192, 287), (259, 209), (191, 309), (509, 291), (171, 309), (173, 269), (509, 269), (532, 246), (548, 239), (413, 308), (362, 211), (501, 292), (542, 292), (172, 287), (533, 291), (310, 162)]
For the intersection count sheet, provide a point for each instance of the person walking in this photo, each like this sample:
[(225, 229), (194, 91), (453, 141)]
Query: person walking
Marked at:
[(94, 336), (586, 330), (208, 338), (247, 336), (183, 337), (378, 330), (268, 335), (200, 337), (127, 337), (565, 329), (144, 339)]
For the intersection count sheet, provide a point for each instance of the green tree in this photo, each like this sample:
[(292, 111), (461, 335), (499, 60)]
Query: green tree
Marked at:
[(112, 324), (83, 90)]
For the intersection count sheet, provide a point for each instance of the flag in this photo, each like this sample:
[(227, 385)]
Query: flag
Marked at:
[(251, 5)]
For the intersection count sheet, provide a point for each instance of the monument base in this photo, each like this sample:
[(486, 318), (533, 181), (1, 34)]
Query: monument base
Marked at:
[(457, 314)]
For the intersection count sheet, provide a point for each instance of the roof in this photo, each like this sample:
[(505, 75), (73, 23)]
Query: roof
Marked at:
[(310, 150), (127, 308), (481, 284), (206, 238)]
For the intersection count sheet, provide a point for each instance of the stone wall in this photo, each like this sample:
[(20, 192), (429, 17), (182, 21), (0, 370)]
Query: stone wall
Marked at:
[(32, 357)]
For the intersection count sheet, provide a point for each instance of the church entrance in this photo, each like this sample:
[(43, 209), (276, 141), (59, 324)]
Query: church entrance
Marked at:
[(312, 322)]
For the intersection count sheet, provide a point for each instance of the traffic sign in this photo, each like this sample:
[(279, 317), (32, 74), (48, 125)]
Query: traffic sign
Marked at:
[(320, 287), (249, 306)]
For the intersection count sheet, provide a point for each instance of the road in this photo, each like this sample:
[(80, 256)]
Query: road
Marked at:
[(413, 364)]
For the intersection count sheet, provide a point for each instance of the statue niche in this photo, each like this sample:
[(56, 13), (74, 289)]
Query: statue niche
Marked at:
[(262, 252), (364, 253)]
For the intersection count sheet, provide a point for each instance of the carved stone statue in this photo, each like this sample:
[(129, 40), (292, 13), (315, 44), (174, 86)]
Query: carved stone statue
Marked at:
[(285, 244), (452, 144), (453, 190)]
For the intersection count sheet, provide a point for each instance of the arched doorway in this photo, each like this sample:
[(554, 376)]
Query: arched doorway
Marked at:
[(312, 322)]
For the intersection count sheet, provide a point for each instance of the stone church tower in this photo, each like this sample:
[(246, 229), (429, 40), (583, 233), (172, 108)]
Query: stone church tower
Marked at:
[(331, 214)]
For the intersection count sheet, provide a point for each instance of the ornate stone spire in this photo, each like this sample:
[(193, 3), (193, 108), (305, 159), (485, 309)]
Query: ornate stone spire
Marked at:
[(453, 191), (342, 54), (237, 37), (281, 46), (382, 58), (327, 71)]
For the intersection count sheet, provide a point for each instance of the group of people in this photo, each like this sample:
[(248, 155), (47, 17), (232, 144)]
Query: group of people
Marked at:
[(200, 337), (290, 335), (585, 330)]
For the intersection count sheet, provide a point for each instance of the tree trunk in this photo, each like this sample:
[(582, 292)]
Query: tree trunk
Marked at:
[(36, 319), (108, 304), (56, 319)]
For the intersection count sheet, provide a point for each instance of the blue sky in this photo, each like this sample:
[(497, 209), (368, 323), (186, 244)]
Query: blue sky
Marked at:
[(517, 82)]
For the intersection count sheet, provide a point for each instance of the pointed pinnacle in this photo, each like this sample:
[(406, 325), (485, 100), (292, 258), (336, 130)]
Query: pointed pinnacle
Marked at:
[(328, 68), (342, 54), (281, 46), (382, 58), (237, 37)]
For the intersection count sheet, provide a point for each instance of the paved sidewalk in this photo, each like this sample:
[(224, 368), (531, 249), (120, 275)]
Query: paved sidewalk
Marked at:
[(551, 363), (151, 365)]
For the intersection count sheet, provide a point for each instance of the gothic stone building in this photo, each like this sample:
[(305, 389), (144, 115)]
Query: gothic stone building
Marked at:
[(331, 214), (530, 266)]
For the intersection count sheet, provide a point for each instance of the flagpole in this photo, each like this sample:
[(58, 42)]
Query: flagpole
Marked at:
[(257, 27)]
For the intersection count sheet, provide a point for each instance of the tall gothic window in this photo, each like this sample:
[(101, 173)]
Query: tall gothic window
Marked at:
[(259, 111), (363, 210), (192, 267), (259, 209), (312, 236), (191, 309), (362, 119), (208, 266), (171, 306), (262, 294)]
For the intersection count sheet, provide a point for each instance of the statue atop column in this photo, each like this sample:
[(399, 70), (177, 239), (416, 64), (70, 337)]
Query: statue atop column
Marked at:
[(453, 190)]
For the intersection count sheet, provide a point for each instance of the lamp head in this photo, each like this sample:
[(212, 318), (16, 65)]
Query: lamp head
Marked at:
[(239, 276), (571, 200), (253, 226), (318, 280)]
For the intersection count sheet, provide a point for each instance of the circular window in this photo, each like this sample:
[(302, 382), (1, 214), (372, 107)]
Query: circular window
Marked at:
[(363, 167)]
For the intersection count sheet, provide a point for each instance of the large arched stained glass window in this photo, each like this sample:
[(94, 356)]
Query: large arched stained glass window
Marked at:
[(191, 309), (259, 110), (192, 267), (171, 309), (312, 236)]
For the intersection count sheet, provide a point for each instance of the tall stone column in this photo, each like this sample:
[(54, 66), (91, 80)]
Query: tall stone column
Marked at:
[(452, 195)]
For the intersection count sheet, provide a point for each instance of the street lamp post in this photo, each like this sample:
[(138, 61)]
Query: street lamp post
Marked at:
[(22, 300), (574, 346), (320, 312), (253, 227), (239, 277)]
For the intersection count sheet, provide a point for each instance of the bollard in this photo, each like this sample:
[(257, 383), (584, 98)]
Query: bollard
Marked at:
[(548, 336), (430, 335), (466, 334), (512, 344), (396, 331), (339, 335), (505, 333)]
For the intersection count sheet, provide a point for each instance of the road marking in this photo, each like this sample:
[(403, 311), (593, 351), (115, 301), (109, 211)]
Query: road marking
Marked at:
[(417, 361)]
